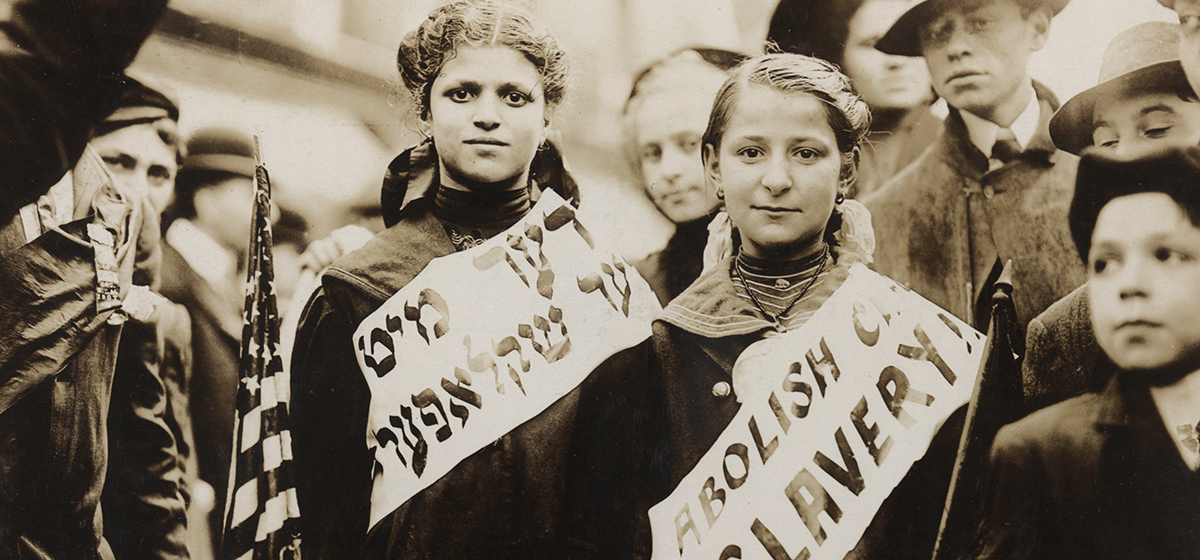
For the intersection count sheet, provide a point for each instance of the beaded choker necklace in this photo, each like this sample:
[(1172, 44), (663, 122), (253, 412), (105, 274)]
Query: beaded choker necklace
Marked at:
[(744, 269)]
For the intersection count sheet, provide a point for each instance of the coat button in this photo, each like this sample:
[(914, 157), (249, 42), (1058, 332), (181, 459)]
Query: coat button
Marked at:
[(989, 192), (721, 389)]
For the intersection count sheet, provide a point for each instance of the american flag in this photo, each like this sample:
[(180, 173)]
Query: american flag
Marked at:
[(262, 516)]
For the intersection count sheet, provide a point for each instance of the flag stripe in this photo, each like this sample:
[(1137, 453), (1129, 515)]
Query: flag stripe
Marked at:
[(261, 519)]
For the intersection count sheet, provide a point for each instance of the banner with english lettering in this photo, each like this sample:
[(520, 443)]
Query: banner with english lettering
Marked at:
[(855, 398), (485, 339)]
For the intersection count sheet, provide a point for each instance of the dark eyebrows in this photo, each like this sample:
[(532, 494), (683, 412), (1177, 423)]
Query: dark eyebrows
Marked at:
[(1156, 108), (512, 86), (469, 85), (160, 169)]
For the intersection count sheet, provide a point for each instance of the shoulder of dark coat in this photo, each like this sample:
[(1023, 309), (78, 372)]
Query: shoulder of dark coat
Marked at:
[(1062, 432), (1069, 315), (177, 279), (390, 260), (903, 181)]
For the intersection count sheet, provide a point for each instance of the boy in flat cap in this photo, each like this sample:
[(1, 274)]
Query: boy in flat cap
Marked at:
[(1143, 102), (992, 187), (1113, 474)]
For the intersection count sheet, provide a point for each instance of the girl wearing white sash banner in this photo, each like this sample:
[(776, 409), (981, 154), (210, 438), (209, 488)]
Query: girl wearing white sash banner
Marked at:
[(782, 148), (472, 463)]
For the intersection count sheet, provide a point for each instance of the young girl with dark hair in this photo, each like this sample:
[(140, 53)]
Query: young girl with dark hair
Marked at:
[(782, 149), (485, 79)]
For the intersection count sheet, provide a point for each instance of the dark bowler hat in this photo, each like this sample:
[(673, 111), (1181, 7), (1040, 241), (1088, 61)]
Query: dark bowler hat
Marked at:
[(213, 155), (1145, 56), (904, 37), (1173, 171), (219, 149)]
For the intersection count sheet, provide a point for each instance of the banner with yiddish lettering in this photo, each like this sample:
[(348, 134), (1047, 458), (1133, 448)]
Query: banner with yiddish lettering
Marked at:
[(485, 339), (854, 399)]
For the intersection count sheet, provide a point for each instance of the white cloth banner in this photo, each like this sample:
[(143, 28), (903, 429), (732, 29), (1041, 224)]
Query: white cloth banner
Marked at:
[(854, 399), (485, 339)]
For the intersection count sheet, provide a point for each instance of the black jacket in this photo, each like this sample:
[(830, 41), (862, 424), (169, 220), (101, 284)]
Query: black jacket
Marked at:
[(516, 498), (1096, 476), (696, 342), (60, 63)]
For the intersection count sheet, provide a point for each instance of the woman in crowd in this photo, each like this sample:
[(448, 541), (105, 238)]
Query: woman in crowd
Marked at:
[(782, 149), (896, 88), (664, 119), (485, 79)]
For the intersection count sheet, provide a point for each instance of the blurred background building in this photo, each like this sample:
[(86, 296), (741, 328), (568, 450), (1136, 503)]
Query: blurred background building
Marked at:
[(316, 80)]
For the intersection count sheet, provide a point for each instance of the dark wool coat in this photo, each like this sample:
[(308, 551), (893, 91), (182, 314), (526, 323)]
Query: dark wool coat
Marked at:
[(1093, 477), (671, 270), (943, 222), (520, 497), (696, 342), (56, 82), (151, 462), (1062, 357)]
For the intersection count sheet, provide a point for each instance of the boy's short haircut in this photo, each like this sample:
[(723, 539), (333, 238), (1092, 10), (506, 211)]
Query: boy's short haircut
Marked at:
[(1172, 171)]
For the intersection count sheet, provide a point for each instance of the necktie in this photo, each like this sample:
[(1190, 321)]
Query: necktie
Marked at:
[(1006, 147)]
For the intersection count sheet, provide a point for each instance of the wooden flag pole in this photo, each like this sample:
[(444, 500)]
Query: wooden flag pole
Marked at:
[(997, 399)]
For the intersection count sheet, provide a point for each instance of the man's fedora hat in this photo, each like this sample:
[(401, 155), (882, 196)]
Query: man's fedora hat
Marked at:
[(1143, 57), (904, 37)]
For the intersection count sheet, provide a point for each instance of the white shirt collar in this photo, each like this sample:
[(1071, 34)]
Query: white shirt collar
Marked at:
[(983, 132), (208, 258)]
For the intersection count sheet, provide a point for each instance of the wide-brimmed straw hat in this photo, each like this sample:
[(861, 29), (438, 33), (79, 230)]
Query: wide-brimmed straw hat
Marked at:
[(904, 37), (1143, 57)]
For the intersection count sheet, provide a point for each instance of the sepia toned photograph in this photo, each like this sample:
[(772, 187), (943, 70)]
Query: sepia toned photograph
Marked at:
[(602, 279)]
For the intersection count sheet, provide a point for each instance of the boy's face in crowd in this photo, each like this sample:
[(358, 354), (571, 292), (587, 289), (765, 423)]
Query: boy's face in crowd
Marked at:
[(225, 211), (1144, 282), (1132, 123), (137, 156), (1189, 39), (669, 125), (978, 52)]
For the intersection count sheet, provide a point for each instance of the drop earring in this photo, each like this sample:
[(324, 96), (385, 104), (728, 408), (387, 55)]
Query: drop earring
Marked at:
[(839, 199)]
